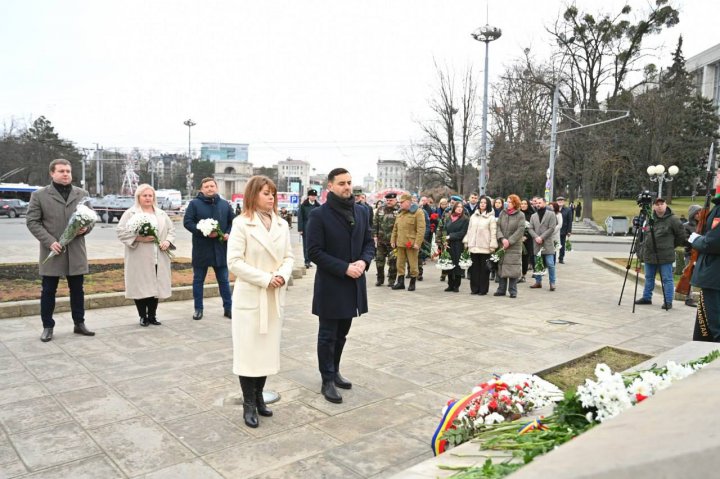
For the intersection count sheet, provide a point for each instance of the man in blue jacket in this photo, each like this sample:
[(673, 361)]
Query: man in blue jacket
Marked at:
[(209, 250), (340, 243)]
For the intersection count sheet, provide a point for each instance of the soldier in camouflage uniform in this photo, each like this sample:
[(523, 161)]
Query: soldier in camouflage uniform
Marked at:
[(382, 230)]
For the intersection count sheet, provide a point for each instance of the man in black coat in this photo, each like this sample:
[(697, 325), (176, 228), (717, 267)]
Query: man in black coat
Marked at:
[(566, 228), (306, 207), (209, 250), (340, 243)]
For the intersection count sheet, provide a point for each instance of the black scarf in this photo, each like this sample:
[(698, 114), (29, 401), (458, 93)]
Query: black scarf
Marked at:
[(541, 213), (346, 207), (64, 190)]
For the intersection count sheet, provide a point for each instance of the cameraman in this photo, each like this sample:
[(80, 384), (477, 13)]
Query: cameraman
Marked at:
[(659, 253)]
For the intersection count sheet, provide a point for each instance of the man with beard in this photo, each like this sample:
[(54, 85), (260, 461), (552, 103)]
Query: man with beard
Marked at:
[(209, 250), (340, 244)]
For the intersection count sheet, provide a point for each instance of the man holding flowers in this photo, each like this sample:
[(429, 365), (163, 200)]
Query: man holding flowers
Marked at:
[(48, 217), (210, 250)]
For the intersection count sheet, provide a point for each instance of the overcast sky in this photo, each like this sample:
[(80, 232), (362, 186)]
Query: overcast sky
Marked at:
[(336, 83)]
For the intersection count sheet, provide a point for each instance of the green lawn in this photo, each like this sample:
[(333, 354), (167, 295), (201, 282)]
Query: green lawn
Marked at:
[(629, 208)]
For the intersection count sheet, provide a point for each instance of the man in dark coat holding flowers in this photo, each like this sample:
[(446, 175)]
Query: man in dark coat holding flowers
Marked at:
[(209, 250), (340, 243)]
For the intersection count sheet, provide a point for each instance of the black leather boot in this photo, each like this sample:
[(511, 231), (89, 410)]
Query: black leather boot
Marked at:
[(81, 329), (46, 335), (249, 402), (342, 382), (411, 286), (262, 408), (391, 282), (331, 394), (152, 312), (400, 283), (380, 280)]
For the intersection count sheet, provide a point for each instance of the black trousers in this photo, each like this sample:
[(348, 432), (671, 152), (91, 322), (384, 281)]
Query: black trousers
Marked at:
[(562, 246), (47, 299), (479, 273), (147, 307), (332, 334)]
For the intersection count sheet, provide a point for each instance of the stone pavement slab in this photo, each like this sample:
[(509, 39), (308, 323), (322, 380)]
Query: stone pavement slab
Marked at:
[(162, 401)]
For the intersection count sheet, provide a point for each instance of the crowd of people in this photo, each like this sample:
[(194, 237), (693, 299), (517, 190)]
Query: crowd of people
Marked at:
[(501, 239)]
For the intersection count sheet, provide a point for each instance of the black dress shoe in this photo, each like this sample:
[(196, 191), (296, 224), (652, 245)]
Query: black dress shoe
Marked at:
[(197, 314), (643, 301), (497, 293), (46, 335), (228, 313), (81, 329), (341, 382), (513, 295), (667, 306), (154, 322), (144, 322), (331, 394)]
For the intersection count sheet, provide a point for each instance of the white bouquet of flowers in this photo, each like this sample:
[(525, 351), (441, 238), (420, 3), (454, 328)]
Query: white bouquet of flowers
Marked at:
[(465, 260), (210, 225), (83, 217), (143, 224)]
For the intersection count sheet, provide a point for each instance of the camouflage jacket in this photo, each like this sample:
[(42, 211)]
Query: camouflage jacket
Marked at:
[(384, 222)]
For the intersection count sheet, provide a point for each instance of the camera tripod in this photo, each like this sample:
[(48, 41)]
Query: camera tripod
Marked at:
[(644, 216)]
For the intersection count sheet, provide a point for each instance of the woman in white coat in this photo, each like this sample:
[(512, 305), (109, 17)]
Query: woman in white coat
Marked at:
[(481, 242), (260, 255), (147, 266)]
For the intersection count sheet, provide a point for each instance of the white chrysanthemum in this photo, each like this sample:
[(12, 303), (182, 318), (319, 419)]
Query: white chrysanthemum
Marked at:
[(207, 226), (494, 418), (140, 219)]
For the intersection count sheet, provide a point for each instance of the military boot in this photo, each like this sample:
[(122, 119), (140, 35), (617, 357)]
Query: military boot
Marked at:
[(400, 283), (380, 280), (411, 287)]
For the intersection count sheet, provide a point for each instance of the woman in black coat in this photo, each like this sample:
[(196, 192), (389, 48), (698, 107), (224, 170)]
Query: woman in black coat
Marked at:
[(456, 225), (528, 211)]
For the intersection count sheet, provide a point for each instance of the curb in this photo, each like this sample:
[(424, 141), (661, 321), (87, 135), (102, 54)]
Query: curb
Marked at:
[(616, 268), (31, 307)]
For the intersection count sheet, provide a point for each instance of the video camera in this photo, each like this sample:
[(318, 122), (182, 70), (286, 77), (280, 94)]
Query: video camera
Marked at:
[(644, 198)]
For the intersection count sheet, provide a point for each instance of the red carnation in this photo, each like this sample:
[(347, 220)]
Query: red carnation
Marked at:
[(640, 397), (492, 404), (434, 216), (409, 244)]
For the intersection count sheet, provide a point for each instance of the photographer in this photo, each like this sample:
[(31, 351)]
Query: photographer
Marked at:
[(662, 234)]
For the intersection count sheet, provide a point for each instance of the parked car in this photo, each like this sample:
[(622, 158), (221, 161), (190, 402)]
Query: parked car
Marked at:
[(13, 208)]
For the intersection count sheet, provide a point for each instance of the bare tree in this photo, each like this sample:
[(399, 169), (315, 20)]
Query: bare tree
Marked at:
[(446, 142)]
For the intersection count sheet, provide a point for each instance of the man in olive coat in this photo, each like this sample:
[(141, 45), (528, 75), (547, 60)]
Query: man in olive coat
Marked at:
[(542, 228), (657, 251), (47, 216), (340, 243)]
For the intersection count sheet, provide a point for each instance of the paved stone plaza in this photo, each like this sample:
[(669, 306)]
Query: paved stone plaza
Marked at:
[(162, 402)]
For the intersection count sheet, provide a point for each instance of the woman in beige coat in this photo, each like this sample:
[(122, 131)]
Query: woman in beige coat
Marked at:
[(481, 242), (260, 255), (147, 266)]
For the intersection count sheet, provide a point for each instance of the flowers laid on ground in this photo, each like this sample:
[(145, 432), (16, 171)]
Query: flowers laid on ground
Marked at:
[(539, 268), (209, 225), (465, 260), (503, 398), (143, 224), (488, 415), (83, 217)]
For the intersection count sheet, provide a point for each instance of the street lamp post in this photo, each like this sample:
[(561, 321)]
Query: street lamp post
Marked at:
[(189, 123), (658, 173), (486, 35)]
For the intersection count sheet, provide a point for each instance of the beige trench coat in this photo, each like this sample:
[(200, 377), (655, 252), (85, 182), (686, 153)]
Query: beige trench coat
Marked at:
[(47, 216), (255, 255), (141, 279)]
